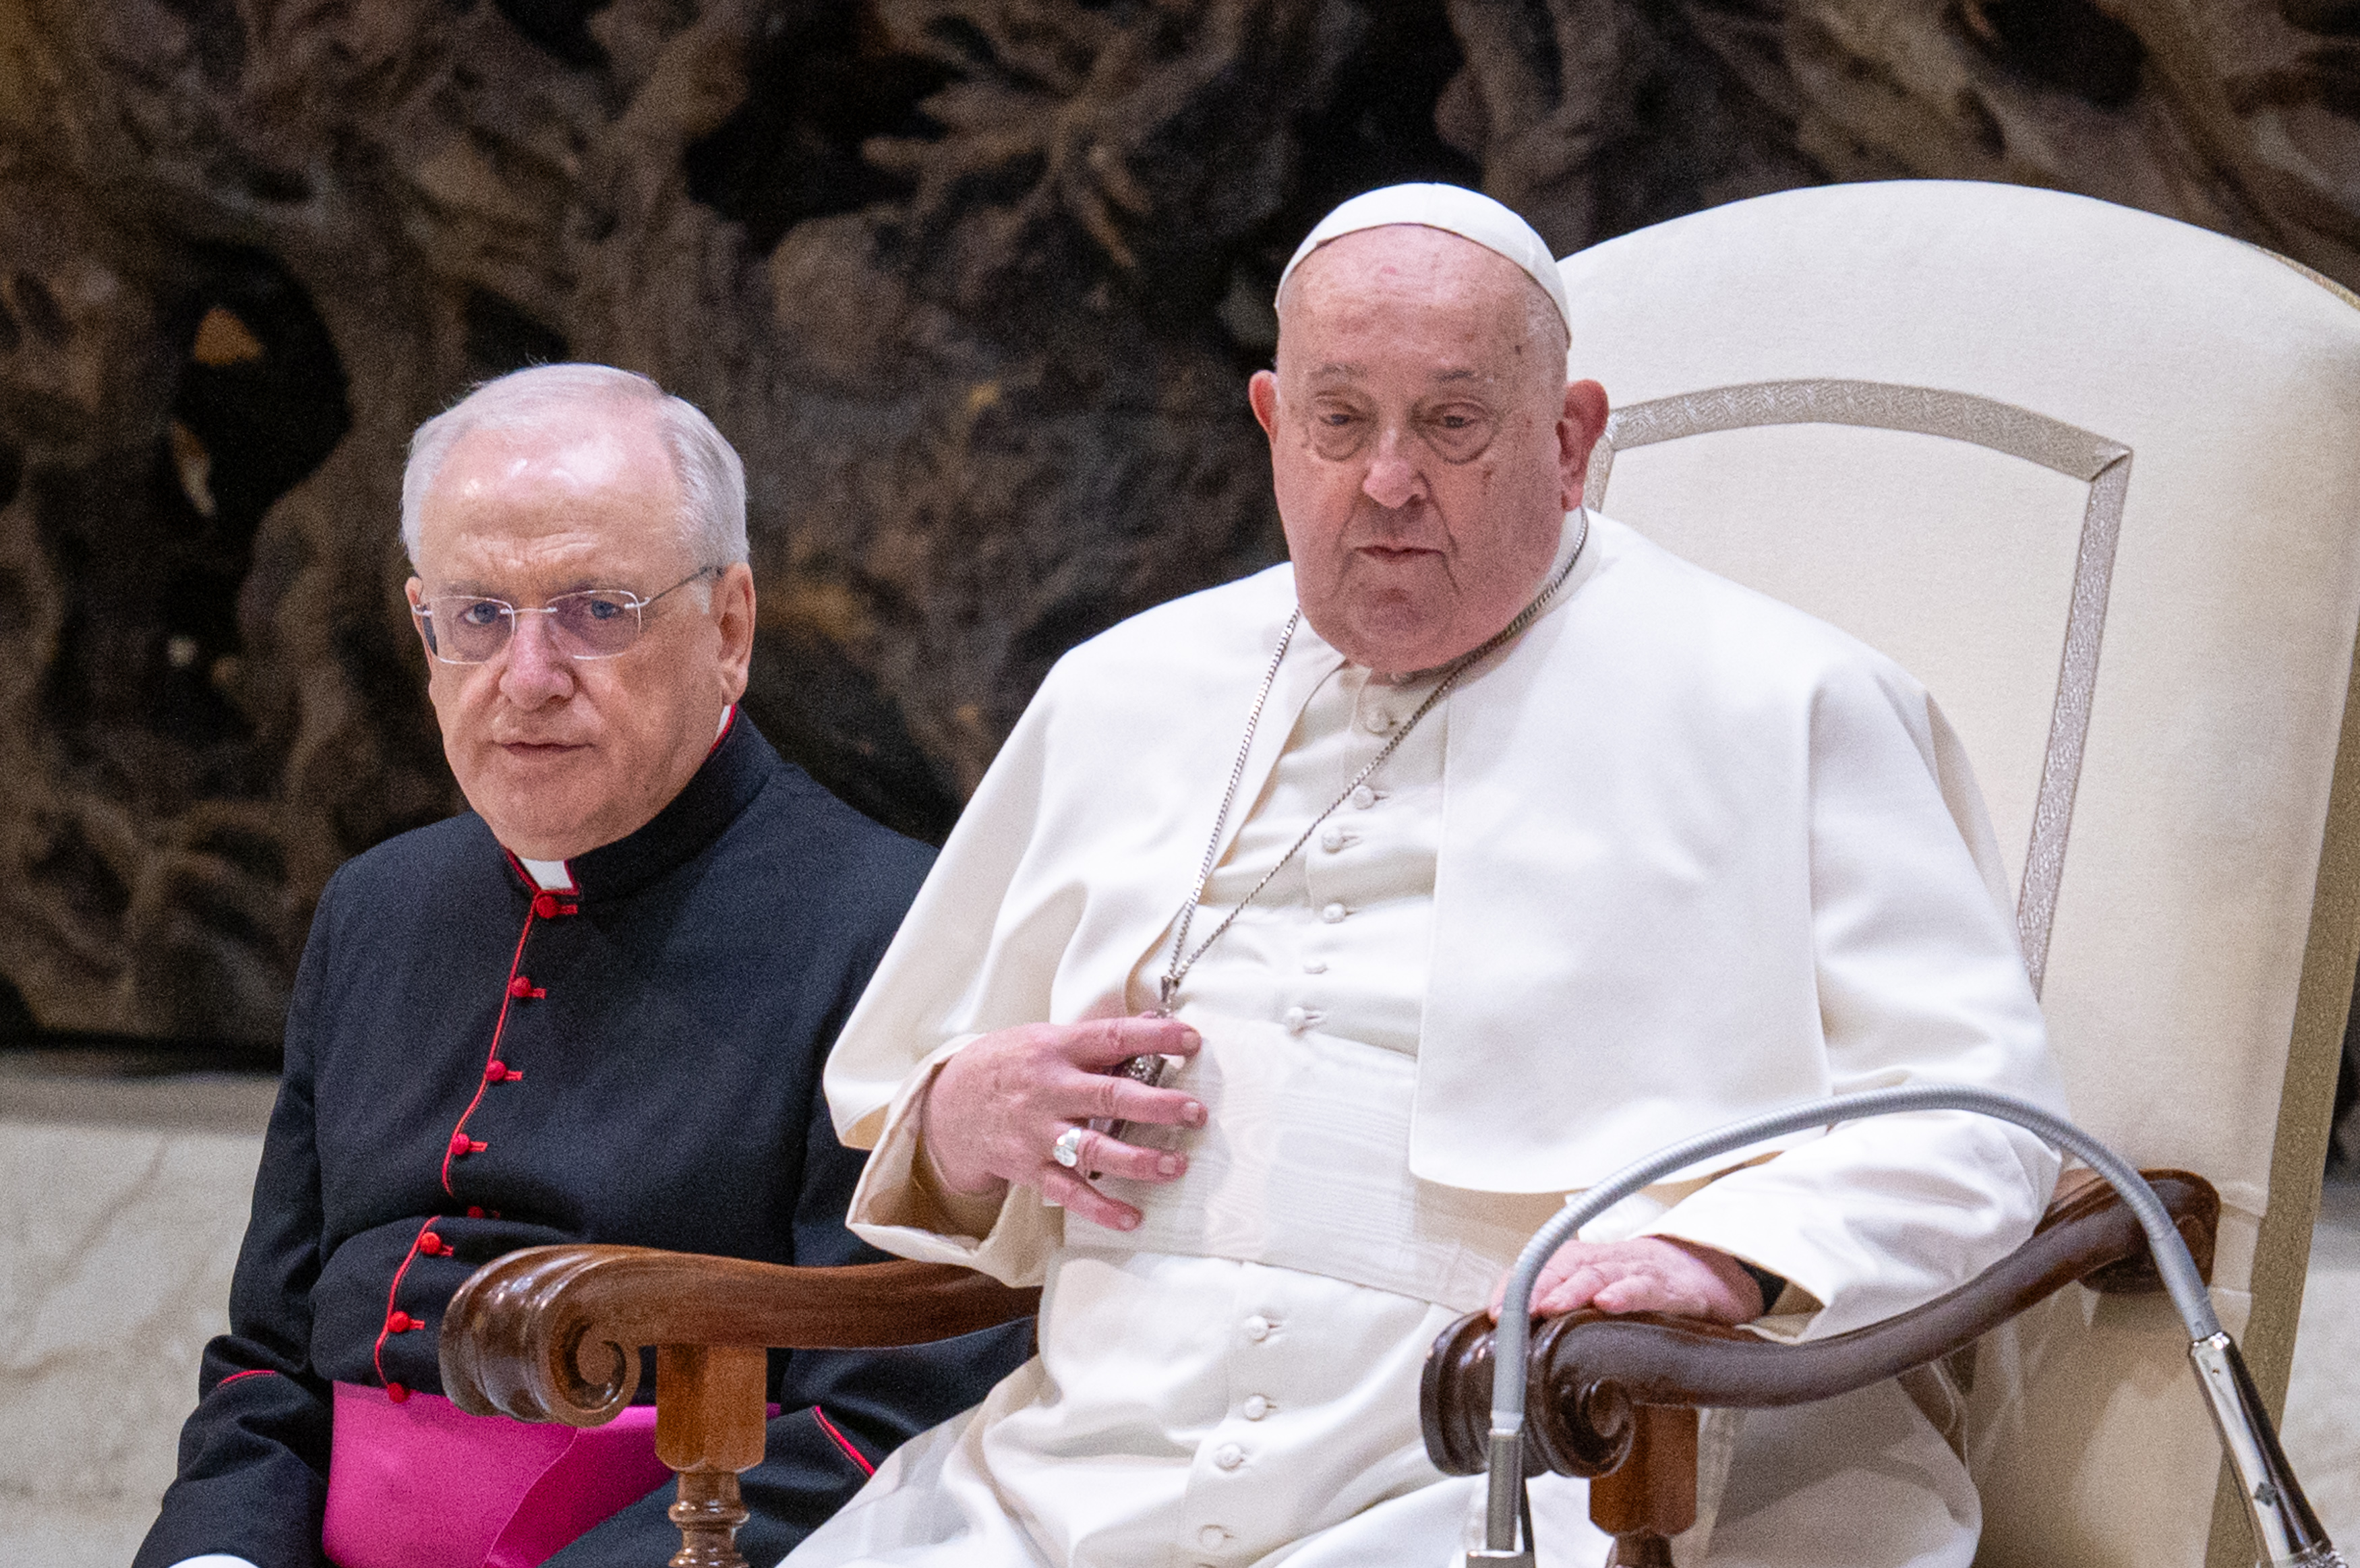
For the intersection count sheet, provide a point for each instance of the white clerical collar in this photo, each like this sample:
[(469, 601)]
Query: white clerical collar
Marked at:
[(555, 876), (1572, 533)]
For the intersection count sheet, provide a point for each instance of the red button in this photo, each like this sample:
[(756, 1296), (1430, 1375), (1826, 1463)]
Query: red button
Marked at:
[(520, 987), (545, 906), (474, 1210), (401, 1322), (429, 1244), (493, 1072), (396, 1392), (458, 1143)]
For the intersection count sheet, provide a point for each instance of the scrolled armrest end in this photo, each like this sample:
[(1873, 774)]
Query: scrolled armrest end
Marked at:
[(520, 1339)]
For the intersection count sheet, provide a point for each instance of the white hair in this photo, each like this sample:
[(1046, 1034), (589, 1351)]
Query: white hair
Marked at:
[(712, 478)]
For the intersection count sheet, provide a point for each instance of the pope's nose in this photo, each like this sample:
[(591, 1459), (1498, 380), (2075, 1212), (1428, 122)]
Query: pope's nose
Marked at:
[(1394, 479)]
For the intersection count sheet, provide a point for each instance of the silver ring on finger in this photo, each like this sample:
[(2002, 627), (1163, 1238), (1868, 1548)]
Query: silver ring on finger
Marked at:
[(1067, 1150)]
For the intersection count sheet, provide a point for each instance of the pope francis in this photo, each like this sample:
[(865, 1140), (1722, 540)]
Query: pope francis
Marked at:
[(1531, 848)]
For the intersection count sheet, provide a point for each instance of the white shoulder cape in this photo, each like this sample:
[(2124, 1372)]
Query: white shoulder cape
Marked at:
[(1702, 855)]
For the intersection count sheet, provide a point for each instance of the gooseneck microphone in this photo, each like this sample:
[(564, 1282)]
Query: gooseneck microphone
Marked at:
[(2287, 1533)]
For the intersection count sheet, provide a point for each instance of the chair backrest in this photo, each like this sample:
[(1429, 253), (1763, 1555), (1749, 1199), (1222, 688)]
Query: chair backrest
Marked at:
[(2093, 476)]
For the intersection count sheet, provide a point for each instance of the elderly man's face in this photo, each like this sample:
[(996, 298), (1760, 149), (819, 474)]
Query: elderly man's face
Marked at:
[(560, 755), (1424, 443)]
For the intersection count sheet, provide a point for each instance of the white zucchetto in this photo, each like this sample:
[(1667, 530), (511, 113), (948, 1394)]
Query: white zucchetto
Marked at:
[(1455, 210)]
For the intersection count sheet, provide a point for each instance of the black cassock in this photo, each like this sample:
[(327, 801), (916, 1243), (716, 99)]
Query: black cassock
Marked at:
[(475, 1066)]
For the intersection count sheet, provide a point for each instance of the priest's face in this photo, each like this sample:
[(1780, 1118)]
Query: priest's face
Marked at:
[(1424, 443), (560, 755)]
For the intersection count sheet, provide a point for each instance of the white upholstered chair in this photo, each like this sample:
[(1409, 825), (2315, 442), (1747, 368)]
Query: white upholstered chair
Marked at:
[(2093, 476)]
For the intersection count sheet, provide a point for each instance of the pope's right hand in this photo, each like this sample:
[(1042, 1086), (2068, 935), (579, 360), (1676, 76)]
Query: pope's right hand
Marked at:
[(994, 1113)]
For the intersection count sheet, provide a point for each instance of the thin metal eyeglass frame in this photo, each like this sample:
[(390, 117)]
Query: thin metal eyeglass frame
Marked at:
[(510, 612)]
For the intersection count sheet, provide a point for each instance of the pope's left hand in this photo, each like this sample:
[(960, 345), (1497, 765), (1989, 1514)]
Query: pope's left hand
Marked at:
[(1645, 1274)]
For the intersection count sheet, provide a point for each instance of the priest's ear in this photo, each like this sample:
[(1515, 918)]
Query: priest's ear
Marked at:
[(416, 590), (1578, 427), (733, 618)]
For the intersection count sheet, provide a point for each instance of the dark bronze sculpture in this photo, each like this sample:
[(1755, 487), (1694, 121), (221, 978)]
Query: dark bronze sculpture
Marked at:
[(972, 283)]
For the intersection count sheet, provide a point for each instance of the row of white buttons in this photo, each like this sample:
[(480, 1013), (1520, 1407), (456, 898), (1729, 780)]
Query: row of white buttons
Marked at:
[(1229, 1456), (1333, 839)]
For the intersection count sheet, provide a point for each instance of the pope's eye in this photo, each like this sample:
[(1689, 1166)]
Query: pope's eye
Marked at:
[(481, 613), (603, 609)]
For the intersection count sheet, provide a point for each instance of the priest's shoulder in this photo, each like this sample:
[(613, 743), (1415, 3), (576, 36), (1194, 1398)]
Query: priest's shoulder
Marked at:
[(412, 875), (423, 857), (806, 844), (1197, 643)]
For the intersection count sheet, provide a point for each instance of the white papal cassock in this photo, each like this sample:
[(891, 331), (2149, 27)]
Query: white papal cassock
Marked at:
[(1677, 854)]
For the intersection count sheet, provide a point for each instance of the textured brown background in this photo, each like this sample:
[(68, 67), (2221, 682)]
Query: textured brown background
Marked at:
[(973, 284)]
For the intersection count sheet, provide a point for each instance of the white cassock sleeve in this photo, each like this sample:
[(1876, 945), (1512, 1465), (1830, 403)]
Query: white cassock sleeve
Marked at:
[(896, 1208), (1920, 981)]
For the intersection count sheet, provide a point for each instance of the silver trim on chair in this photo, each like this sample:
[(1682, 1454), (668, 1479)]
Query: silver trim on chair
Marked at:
[(2104, 466)]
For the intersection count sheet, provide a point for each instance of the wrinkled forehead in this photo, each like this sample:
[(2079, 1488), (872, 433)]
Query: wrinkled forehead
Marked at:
[(583, 446), (1408, 283), (1470, 216), (588, 484)]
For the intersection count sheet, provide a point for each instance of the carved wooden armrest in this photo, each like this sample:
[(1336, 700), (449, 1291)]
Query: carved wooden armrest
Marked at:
[(1614, 1398), (554, 1334)]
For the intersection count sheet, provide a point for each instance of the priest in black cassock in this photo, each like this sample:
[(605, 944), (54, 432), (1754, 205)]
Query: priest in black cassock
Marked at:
[(593, 1008)]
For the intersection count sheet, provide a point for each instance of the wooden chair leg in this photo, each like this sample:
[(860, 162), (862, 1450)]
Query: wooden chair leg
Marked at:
[(1651, 1497), (708, 1513), (710, 1405)]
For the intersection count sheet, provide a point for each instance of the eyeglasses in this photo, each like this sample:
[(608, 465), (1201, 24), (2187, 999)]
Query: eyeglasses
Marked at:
[(595, 623)]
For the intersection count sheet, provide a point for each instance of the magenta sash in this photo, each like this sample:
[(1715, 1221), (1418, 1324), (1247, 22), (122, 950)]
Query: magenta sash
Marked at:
[(425, 1484)]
